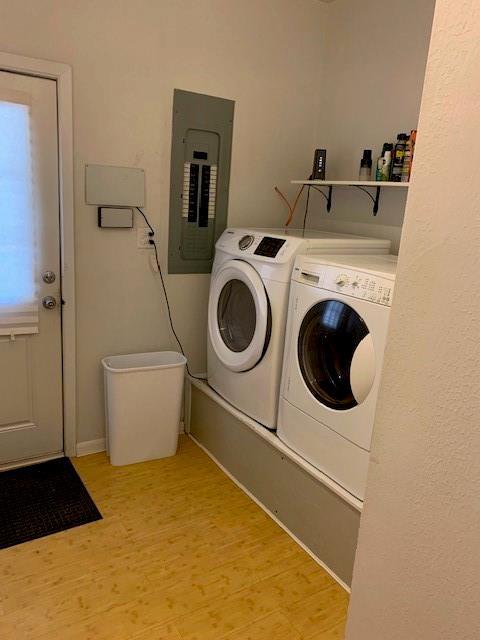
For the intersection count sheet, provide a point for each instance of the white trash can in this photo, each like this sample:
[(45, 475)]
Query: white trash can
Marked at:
[(143, 401)]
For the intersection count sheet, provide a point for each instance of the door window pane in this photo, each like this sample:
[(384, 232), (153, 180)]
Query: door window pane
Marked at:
[(236, 315), (329, 335), (17, 219)]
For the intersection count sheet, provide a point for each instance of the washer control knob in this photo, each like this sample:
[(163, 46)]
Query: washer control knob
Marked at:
[(245, 242), (341, 280)]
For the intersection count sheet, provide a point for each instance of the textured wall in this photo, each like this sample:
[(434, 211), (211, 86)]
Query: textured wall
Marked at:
[(127, 57), (418, 563)]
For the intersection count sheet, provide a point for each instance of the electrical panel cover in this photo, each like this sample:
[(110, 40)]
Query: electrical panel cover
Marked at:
[(200, 174)]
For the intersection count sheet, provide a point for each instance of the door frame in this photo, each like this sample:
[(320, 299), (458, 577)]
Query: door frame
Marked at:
[(62, 74)]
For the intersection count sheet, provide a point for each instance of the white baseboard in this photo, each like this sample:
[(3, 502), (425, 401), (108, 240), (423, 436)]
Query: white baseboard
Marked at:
[(90, 446)]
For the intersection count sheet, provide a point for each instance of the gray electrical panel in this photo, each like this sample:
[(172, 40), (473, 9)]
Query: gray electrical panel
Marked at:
[(200, 174)]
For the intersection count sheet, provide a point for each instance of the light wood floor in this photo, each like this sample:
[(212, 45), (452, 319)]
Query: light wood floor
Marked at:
[(181, 554)]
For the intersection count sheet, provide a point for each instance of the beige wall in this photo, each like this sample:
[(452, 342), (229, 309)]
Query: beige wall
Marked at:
[(418, 562), (127, 56), (273, 59), (372, 81)]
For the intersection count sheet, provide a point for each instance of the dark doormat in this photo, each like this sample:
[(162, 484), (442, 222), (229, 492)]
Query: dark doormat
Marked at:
[(42, 499)]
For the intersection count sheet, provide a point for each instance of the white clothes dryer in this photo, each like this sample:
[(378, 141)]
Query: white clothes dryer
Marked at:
[(247, 310), (337, 330)]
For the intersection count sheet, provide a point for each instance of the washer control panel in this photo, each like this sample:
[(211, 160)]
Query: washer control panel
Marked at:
[(367, 286), (357, 284)]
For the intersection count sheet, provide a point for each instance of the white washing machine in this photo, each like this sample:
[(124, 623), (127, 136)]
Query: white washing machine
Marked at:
[(337, 330), (247, 310)]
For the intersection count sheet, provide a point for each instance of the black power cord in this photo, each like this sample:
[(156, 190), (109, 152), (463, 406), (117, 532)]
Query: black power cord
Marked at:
[(152, 242)]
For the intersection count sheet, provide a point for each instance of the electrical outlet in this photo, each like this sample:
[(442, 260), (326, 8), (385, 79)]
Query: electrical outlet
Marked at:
[(143, 239)]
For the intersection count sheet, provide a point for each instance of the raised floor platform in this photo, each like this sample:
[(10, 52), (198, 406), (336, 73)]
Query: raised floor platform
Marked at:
[(320, 517)]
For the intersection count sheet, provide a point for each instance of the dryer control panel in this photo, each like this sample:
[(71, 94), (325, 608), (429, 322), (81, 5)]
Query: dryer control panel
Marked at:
[(360, 284), (269, 247), (257, 245)]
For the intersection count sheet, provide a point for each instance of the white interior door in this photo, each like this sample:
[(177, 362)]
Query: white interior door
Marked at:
[(31, 417)]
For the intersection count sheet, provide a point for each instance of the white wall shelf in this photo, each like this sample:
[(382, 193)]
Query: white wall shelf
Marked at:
[(363, 185)]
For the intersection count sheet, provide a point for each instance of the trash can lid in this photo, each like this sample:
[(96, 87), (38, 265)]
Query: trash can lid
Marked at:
[(144, 361)]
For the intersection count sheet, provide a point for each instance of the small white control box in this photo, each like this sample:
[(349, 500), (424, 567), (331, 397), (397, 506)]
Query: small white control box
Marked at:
[(115, 218), (114, 186)]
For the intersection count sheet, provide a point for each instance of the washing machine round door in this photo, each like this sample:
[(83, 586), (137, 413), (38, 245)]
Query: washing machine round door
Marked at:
[(336, 355), (239, 316)]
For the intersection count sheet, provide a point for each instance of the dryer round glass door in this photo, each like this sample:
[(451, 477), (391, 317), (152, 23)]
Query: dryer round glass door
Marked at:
[(239, 316), (236, 315), (336, 355)]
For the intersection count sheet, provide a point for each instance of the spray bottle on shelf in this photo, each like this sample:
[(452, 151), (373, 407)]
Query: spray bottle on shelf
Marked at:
[(407, 163), (398, 157), (384, 163), (387, 165), (408, 160), (366, 165)]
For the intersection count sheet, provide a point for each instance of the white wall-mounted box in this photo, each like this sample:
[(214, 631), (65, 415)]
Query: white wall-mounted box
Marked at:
[(114, 186), (115, 218)]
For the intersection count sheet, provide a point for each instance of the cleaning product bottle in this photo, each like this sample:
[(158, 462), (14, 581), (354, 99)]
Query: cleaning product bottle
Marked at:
[(398, 156), (387, 146), (409, 152), (379, 172), (387, 165), (407, 163), (366, 165)]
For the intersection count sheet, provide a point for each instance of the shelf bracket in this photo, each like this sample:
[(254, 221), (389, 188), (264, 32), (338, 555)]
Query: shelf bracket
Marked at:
[(375, 199), (327, 196)]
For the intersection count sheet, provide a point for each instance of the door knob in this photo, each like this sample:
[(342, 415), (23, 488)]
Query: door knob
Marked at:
[(49, 277), (49, 302)]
